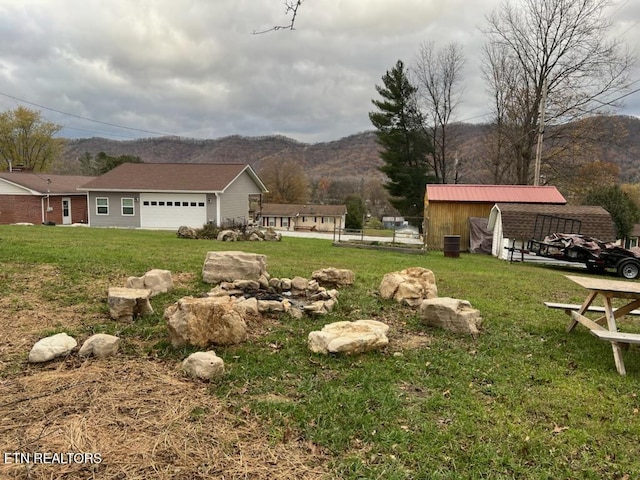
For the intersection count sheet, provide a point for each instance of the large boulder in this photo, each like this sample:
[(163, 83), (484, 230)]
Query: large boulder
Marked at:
[(230, 266), (411, 286), (156, 280), (349, 337), (228, 236), (270, 235), (205, 321), (187, 232), (100, 345), (52, 347), (334, 277), (455, 315), (126, 304), (203, 365)]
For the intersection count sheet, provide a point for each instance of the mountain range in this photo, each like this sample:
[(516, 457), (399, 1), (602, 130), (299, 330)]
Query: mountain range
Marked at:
[(352, 157)]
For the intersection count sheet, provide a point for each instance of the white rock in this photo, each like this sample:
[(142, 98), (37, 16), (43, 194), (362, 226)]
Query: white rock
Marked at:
[(203, 365), (335, 277), (205, 321), (230, 266), (52, 347), (156, 280), (455, 315), (100, 345), (349, 337), (411, 286)]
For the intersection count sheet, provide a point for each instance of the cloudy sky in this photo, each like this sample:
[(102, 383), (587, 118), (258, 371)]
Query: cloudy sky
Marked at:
[(193, 67)]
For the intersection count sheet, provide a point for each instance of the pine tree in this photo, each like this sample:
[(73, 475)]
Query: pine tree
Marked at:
[(405, 145)]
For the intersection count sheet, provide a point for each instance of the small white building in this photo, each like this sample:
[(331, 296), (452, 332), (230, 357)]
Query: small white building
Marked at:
[(513, 225)]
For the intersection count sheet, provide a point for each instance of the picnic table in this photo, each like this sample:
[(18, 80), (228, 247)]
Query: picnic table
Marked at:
[(605, 326)]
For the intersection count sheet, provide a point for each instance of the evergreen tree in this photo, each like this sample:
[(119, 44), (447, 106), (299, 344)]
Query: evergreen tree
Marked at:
[(102, 163), (405, 145), (356, 210)]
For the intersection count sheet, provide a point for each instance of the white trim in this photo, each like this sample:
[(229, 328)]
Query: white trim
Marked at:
[(97, 206), (132, 206), (254, 177), (28, 191), (218, 210)]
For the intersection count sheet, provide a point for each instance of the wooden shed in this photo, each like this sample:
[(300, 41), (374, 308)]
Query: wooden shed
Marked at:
[(447, 208), (513, 225)]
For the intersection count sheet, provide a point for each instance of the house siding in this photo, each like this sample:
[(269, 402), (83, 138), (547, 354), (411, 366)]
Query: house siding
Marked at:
[(115, 217), (451, 218), (235, 199), (212, 202)]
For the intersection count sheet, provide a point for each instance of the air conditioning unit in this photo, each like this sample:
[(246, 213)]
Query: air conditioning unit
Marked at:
[(49, 209)]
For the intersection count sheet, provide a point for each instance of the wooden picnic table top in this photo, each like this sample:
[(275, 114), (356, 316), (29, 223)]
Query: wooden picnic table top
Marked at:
[(604, 285), (609, 289)]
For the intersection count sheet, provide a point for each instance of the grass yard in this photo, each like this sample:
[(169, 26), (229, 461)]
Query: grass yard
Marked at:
[(524, 400)]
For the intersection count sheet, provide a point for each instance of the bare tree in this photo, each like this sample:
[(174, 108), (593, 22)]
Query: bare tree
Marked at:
[(286, 180), (510, 104), (555, 47), (438, 75), (291, 8)]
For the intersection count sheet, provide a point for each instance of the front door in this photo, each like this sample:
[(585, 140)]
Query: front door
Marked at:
[(66, 211)]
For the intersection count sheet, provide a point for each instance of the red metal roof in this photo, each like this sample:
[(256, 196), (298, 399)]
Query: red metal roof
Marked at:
[(494, 193)]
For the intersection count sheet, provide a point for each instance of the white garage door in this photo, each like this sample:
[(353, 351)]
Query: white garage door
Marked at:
[(172, 210)]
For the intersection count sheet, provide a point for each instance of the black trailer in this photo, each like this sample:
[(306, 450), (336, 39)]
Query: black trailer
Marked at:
[(572, 246)]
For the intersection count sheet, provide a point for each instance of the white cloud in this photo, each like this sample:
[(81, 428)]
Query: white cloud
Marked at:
[(193, 68)]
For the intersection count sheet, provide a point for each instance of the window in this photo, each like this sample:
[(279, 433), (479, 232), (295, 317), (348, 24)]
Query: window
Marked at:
[(272, 221), (154, 204), (285, 221), (161, 204), (169, 204), (146, 203), (185, 204), (102, 206), (127, 207), (201, 204), (193, 204)]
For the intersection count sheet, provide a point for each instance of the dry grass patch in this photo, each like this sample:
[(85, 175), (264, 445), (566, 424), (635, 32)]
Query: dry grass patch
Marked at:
[(142, 416), (145, 420)]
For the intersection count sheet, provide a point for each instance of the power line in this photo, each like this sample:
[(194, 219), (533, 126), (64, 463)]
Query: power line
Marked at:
[(84, 118)]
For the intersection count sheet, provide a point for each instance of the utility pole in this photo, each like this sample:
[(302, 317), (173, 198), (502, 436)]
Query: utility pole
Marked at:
[(543, 101)]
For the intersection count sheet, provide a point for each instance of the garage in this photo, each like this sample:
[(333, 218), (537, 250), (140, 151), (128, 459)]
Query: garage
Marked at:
[(172, 210)]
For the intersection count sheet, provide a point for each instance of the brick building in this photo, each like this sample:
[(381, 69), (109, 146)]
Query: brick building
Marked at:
[(28, 197)]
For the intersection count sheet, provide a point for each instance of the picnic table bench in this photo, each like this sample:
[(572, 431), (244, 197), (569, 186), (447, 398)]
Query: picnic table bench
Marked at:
[(604, 327)]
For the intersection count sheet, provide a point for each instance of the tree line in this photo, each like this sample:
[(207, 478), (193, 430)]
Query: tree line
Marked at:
[(545, 63)]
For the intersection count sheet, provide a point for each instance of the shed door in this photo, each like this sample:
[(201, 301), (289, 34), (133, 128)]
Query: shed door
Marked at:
[(172, 210)]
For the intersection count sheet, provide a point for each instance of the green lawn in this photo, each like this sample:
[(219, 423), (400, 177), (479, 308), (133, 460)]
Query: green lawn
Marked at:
[(523, 400)]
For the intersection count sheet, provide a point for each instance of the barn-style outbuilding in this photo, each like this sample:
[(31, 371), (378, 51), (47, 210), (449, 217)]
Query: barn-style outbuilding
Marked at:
[(448, 208)]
